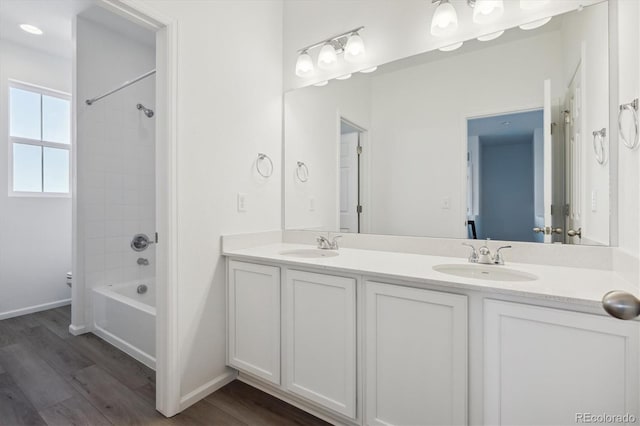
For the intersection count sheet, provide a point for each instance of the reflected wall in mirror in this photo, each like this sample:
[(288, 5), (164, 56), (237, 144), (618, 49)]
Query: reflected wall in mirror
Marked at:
[(493, 140)]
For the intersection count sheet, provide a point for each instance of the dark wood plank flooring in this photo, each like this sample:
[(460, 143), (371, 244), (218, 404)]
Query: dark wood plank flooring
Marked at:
[(49, 377)]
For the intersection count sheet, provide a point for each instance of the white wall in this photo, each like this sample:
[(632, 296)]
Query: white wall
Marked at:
[(629, 161), (229, 109), (115, 158), (35, 232), (312, 127), (393, 29)]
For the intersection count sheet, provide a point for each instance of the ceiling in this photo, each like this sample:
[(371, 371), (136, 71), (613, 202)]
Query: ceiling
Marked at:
[(55, 19), (510, 125)]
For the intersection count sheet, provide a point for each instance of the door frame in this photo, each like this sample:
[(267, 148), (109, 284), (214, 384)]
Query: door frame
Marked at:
[(167, 342)]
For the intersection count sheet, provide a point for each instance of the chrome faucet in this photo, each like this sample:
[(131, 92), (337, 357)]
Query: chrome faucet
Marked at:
[(325, 244), (483, 254)]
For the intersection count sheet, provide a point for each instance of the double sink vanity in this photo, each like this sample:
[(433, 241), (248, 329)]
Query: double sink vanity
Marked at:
[(376, 337)]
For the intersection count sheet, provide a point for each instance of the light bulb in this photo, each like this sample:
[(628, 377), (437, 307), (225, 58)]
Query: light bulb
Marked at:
[(321, 83), (368, 70), (354, 50), (451, 47), (344, 77), (486, 11), (445, 20), (535, 24), (304, 65), (491, 36), (327, 57), (31, 29), (532, 4)]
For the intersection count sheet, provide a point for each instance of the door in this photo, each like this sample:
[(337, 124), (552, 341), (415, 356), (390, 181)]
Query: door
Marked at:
[(546, 366), (574, 181), (416, 356), (253, 294), (321, 340), (349, 148), (548, 166)]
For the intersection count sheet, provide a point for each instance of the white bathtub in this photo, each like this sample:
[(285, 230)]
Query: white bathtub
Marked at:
[(127, 319)]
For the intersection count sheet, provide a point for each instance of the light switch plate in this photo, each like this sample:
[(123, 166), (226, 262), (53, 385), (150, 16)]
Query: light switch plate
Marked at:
[(594, 201), (242, 202), (446, 203), (312, 204)]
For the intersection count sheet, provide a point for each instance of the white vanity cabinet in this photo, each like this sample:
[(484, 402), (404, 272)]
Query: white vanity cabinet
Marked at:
[(546, 366), (416, 356), (320, 333), (253, 293)]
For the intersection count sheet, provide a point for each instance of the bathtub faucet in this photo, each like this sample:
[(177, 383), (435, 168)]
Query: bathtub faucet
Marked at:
[(143, 261)]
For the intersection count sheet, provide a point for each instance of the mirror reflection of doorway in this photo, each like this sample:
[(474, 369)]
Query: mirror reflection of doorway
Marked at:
[(505, 175), (350, 151)]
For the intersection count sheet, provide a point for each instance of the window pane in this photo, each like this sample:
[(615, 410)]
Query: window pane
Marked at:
[(56, 170), (24, 111), (56, 119), (27, 168)]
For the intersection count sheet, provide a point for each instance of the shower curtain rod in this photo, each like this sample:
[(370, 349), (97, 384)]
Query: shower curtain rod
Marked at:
[(126, 84)]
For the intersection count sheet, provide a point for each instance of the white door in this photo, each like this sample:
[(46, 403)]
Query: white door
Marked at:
[(416, 356), (545, 366), (574, 181), (349, 182), (548, 166), (253, 293), (321, 340)]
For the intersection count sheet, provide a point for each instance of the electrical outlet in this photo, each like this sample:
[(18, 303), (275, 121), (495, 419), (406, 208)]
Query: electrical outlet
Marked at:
[(594, 201), (446, 203), (312, 204), (242, 202)]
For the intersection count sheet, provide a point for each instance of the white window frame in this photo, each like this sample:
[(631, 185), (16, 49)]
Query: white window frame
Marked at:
[(35, 142)]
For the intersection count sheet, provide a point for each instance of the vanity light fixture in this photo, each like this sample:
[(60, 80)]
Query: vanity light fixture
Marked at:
[(535, 24), (532, 4), (328, 56), (31, 29), (304, 64), (485, 11), (344, 77), (492, 36), (350, 43), (368, 70), (445, 19), (451, 47), (354, 49)]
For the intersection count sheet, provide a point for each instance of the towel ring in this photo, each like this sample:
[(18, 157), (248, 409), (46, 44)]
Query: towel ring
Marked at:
[(633, 107), (305, 169), (598, 139), (262, 157)]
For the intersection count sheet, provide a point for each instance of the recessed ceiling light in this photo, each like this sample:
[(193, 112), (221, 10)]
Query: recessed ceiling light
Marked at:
[(535, 24), (506, 123), (451, 47), (344, 77), (368, 70), (491, 36), (31, 29)]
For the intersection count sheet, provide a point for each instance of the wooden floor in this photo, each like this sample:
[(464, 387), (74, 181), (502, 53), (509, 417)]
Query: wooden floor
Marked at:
[(49, 377)]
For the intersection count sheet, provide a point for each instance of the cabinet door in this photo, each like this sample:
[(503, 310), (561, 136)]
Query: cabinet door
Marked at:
[(416, 356), (254, 319), (547, 367), (321, 340)]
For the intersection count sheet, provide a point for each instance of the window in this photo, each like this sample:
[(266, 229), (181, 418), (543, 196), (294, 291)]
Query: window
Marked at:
[(39, 141)]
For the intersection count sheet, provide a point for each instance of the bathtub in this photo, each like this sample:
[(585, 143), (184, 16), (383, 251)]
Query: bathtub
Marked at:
[(127, 319)]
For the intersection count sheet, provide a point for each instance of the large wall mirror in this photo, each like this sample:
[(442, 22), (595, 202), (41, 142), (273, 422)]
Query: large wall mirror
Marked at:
[(503, 139)]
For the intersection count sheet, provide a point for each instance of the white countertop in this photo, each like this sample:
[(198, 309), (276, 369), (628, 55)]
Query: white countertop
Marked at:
[(562, 284)]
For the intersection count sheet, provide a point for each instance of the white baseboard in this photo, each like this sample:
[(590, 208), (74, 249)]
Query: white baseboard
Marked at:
[(208, 388), (32, 309), (77, 330)]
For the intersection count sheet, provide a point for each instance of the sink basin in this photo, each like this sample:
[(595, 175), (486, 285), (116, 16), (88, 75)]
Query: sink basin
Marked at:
[(485, 272), (309, 253)]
